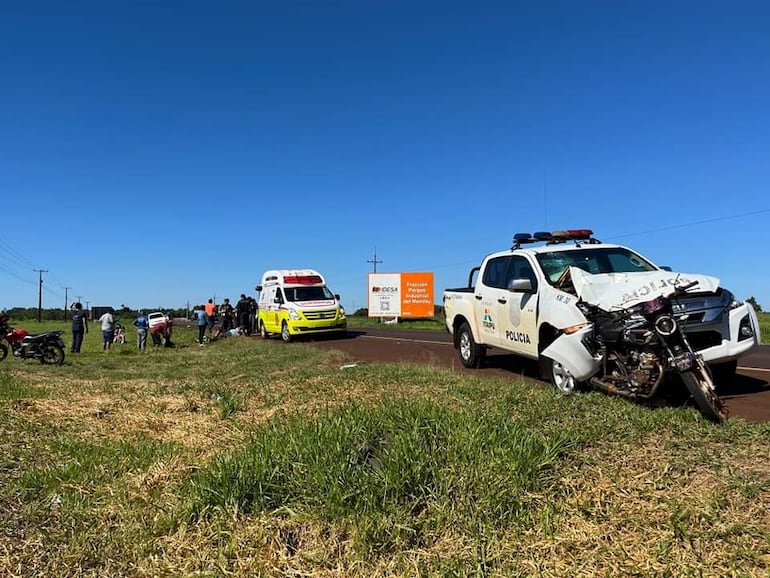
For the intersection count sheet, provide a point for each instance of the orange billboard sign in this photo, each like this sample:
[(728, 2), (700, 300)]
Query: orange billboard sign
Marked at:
[(400, 295)]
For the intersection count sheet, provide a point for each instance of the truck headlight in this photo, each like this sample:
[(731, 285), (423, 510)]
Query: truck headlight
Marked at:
[(745, 330), (342, 312), (294, 315)]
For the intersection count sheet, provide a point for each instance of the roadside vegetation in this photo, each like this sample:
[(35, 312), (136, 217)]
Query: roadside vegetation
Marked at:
[(362, 321), (764, 325), (257, 458)]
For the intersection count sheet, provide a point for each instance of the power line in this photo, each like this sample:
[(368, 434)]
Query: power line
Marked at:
[(691, 224), (15, 255), (12, 274)]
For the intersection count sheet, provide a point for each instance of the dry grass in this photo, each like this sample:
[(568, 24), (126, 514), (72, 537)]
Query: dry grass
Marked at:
[(666, 495)]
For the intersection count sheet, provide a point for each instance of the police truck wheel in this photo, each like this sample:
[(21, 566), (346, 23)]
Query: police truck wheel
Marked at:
[(471, 353), (285, 335), (561, 378)]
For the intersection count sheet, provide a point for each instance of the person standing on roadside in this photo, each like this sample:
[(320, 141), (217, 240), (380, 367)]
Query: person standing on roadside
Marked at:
[(252, 316), (242, 313), (169, 329), (226, 315), (203, 322), (142, 323), (108, 329), (79, 326), (211, 314)]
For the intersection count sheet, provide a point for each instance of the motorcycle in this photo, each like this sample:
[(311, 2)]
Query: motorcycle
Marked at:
[(120, 334), (48, 347), (633, 351)]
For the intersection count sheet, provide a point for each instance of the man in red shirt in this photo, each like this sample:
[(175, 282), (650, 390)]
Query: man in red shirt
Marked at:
[(161, 333)]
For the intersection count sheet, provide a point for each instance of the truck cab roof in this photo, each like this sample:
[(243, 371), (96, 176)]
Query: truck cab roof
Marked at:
[(556, 252)]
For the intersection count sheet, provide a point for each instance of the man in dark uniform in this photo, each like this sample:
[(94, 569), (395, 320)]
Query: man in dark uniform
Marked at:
[(226, 315), (242, 311)]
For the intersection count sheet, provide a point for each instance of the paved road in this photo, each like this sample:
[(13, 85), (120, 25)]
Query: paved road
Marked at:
[(748, 397)]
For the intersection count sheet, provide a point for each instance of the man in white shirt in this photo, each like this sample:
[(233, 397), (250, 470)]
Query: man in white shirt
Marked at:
[(108, 329)]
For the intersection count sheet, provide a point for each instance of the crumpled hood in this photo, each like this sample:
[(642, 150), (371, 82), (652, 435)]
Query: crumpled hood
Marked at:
[(612, 291)]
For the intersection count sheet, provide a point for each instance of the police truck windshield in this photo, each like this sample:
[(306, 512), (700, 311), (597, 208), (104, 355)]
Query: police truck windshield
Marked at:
[(593, 260)]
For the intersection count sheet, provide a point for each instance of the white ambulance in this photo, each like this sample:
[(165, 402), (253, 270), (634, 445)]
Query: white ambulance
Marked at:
[(294, 302)]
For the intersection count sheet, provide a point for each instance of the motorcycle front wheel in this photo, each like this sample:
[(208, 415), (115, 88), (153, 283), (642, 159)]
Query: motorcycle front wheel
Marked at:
[(702, 390), (3, 351), (52, 355)]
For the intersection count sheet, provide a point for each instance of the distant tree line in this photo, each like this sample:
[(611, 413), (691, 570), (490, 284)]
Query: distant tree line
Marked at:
[(438, 311), (30, 313)]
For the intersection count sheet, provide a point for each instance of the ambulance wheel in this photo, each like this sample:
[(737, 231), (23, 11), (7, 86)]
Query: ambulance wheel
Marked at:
[(285, 335), (262, 331)]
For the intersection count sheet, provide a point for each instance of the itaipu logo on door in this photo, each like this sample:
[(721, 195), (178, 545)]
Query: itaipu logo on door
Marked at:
[(486, 320)]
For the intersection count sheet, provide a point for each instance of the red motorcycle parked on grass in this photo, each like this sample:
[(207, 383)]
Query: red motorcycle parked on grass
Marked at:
[(48, 347)]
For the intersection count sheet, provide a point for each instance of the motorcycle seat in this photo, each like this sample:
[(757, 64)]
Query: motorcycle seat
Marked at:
[(39, 336)]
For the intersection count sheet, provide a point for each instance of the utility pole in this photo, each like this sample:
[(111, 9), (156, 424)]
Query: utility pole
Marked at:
[(40, 294), (65, 302), (374, 261), (88, 310)]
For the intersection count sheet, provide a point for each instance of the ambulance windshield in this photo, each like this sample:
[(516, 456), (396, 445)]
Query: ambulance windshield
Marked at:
[(295, 294)]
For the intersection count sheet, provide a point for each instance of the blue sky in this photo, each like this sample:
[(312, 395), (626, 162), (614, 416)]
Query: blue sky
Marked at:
[(163, 153)]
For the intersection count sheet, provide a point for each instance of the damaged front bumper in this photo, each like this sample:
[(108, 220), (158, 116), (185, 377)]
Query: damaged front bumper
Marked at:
[(736, 334)]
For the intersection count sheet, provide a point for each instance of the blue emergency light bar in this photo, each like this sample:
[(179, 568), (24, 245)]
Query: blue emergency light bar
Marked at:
[(523, 238), (553, 237)]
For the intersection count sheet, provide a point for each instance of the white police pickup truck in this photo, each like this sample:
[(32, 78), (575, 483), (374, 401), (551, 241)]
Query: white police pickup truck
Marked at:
[(517, 300)]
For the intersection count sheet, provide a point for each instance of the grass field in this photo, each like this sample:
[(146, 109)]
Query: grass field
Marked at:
[(257, 458), (764, 325)]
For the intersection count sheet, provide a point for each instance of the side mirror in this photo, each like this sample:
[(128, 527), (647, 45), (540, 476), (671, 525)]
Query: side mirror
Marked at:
[(337, 296), (258, 288), (666, 268), (521, 286)]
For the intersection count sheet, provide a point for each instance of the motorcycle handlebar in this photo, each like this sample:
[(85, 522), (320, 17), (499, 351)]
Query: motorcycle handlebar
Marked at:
[(684, 288)]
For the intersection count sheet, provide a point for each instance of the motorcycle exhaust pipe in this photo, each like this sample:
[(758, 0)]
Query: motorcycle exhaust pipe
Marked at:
[(613, 390), (606, 387)]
